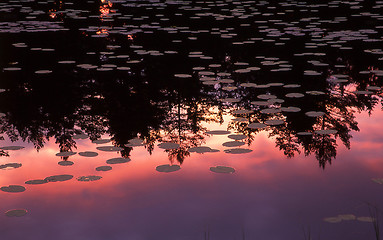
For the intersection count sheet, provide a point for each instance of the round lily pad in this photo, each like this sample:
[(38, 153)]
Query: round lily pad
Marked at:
[(65, 163), (347, 216), (13, 188), (167, 168), (9, 166), (88, 154), (314, 114), (65, 154), (332, 219), (365, 219), (233, 144), (327, 131), (295, 95), (103, 168), (237, 150), (237, 136), (200, 149), (274, 122), (222, 169), (242, 111), (101, 141), (168, 145), (36, 181), (117, 160), (80, 136), (59, 178), (109, 148), (16, 213), (88, 178), (218, 132), (11, 148)]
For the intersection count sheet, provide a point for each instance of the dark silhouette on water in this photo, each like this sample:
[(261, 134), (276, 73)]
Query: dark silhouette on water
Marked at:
[(118, 85)]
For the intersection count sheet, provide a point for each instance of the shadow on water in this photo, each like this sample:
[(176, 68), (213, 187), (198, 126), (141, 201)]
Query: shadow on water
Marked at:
[(119, 85)]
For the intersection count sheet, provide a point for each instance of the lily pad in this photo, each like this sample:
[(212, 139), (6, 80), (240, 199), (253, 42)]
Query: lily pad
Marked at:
[(109, 148), (332, 219), (274, 122), (80, 136), (200, 149), (88, 154), (168, 145), (222, 169), (88, 178), (65, 163), (103, 168), (59, 178), (36, 182), (16, 213), (11, 148), (314, 114), (117, 160), (13, 188), (347, 217), (237, 136), (365, 219), (233, 144), (101, 141), (167, 168), (326, 131), (237, 150), (218, 132), (9, 166), (378, 180), (65, 154), (256, 125)]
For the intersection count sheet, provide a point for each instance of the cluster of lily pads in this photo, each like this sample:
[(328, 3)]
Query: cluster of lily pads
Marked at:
[(128, 28)]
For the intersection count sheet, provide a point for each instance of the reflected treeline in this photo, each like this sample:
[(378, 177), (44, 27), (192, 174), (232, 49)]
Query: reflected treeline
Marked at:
[(74, 82)]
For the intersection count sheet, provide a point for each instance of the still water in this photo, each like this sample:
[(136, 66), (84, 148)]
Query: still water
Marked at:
[(191, 120)]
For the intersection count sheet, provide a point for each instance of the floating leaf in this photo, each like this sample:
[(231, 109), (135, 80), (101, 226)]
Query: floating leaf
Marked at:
[(117, 160), (16, 213), (347, 217), (36, 181), (200, 149), (222, 169), (88, 154), (233, 144), (237, 136), (104, 168), (333, 219), (13, 188), (65, 154), (80, 136), (168, 145), (11, 148), (59, 178), (256, 125), (378, 180), (314, 114), (274, 122), (109, 149), (365, 219), (327, 131), (218, 132), (237, 150), (167, 168), (101, 141), (65, 163), (9, 166), (88, 178)]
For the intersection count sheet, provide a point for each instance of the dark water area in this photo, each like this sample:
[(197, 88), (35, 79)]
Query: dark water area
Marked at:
[(191, 119)]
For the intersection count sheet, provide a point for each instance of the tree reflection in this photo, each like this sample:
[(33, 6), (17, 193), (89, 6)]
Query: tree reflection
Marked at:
[(144, 99)]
